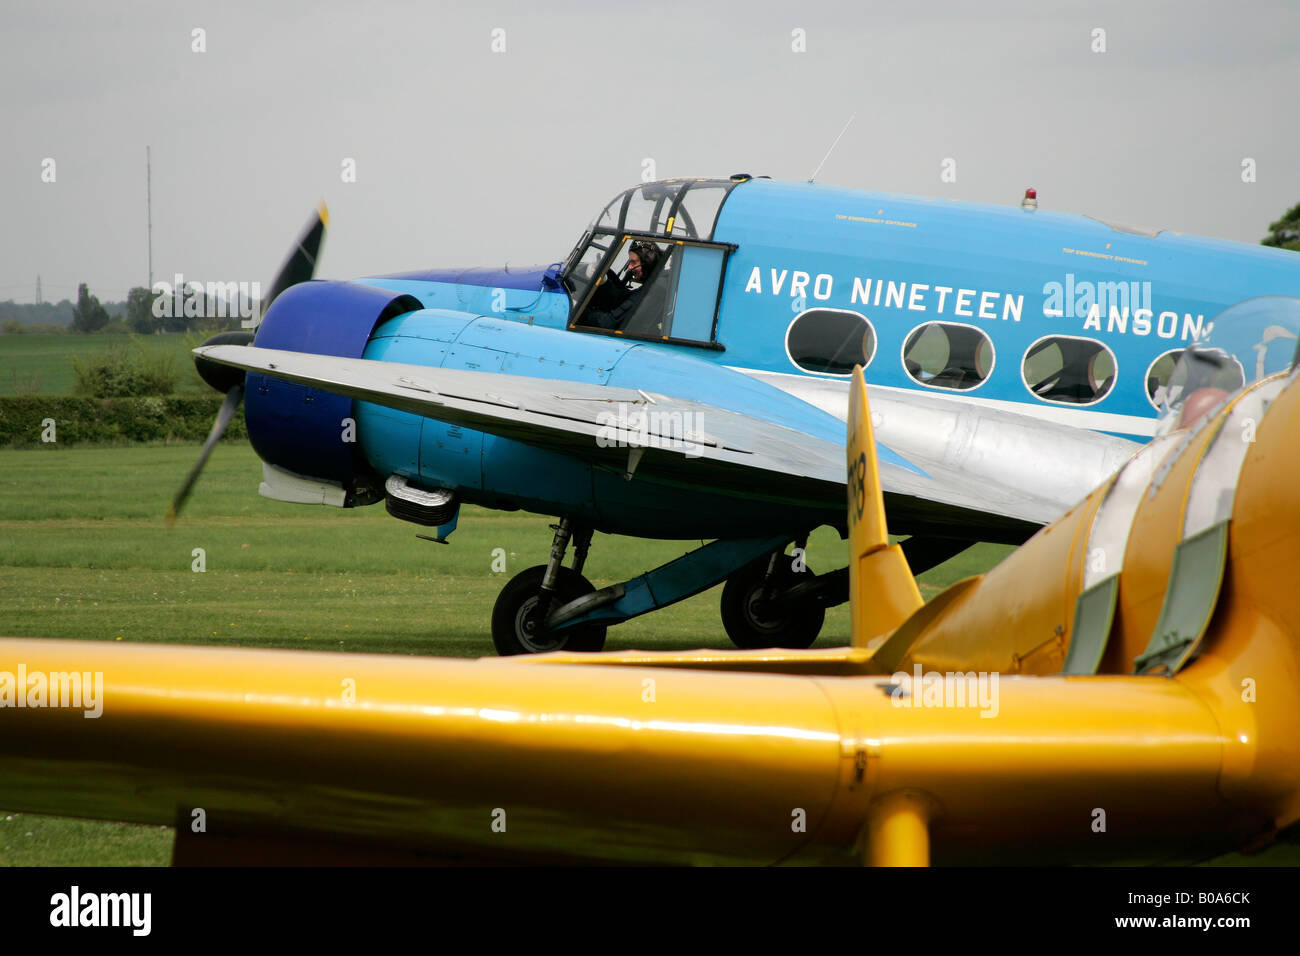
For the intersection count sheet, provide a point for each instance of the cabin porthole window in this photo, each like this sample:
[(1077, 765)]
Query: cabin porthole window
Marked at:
[(1066, 370), (948, 355), (830, 341)]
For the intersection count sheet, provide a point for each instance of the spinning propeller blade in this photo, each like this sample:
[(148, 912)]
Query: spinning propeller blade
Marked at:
[(300, 266)]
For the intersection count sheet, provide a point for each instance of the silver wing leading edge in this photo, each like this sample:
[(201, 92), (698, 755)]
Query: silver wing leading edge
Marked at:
[(975, 495)]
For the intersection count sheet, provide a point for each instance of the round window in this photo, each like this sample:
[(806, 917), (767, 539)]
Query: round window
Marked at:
[(944, 355), (830, 341), (1069, 371)]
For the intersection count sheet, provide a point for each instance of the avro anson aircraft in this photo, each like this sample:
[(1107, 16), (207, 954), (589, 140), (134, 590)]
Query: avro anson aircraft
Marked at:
[(684, 374)]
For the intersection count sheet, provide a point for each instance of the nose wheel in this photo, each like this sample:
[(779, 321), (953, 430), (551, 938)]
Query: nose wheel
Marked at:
[(519, 616), (756, 612)]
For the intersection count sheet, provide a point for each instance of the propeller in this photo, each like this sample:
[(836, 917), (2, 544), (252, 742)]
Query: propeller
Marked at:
[(300, 266)]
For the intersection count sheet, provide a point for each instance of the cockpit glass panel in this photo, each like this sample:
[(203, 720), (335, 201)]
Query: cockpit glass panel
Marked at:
[(699, 210), (645, 212), (609, 219), (1244, 343), (1224, 372), (1199, 368), (580, 274), (686, 210), (585, 270), (650, 206)]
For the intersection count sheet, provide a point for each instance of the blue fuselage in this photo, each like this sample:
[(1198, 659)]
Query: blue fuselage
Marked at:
[(1013, 277)]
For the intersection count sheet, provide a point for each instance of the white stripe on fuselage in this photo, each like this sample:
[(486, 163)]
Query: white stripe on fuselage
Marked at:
[(1057, 415)]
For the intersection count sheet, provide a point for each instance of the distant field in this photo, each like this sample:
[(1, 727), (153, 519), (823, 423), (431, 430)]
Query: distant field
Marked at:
[(41, 363)]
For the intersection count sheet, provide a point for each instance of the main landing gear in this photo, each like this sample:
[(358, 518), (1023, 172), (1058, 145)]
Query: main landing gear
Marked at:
[(520, 616), (771, 599), (777, 601), (774, 602)]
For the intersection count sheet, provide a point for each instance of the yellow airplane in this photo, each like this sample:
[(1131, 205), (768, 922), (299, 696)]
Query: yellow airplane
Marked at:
[(1123, 688)]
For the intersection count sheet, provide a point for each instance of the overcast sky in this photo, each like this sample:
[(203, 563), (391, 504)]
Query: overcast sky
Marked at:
[(468, 156)]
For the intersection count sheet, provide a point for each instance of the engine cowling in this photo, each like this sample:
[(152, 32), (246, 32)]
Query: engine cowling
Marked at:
[(304, 430)]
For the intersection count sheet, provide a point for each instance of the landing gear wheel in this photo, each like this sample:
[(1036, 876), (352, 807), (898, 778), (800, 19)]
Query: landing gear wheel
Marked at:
[(517, 626), (751, 622)]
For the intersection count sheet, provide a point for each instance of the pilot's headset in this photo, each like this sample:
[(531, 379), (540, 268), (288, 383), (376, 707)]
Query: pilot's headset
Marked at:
[(648, 253)]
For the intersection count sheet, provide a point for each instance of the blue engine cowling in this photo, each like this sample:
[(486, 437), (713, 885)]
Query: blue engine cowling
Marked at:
[(298, 428)]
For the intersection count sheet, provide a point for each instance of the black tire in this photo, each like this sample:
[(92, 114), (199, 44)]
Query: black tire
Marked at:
[(794, 627), (515, 627)]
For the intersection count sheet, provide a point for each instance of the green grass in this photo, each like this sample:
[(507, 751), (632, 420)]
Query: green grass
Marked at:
[(30, 840), (85, 555), (40, 363)]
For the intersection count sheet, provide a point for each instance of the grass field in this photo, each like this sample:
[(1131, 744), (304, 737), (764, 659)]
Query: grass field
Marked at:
[(41, 363), (85, 555)]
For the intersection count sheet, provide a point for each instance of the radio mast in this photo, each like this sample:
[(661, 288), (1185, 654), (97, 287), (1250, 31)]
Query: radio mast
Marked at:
[(148, 194)]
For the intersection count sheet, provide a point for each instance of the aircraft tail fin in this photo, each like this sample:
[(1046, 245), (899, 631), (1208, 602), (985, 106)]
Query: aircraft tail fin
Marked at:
[(882, 591)]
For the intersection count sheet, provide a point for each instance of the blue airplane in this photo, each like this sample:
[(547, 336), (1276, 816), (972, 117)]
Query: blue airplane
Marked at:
[(684, 374)]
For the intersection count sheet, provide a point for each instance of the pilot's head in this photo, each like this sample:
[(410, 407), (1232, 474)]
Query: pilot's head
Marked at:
[(641, 260)]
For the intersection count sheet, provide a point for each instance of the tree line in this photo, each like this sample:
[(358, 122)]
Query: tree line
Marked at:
[(89, 315)]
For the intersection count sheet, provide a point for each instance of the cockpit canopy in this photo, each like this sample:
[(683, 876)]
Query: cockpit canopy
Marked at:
[(1245, 343), (676, 296)]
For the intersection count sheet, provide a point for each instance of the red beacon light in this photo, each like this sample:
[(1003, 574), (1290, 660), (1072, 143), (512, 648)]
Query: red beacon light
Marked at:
[(1030, 202)]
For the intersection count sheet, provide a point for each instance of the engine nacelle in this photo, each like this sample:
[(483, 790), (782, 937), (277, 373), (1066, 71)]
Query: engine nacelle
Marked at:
[(304, 430)]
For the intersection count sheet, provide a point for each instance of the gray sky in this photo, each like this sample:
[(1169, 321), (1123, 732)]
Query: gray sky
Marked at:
[(465, 156)]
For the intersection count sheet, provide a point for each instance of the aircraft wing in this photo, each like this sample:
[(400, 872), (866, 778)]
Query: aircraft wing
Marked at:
[(628, 430), (734, 451), (295, 756)]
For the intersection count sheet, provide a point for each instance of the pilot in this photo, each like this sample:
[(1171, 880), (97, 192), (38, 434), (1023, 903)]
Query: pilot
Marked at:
[(616, 299)]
